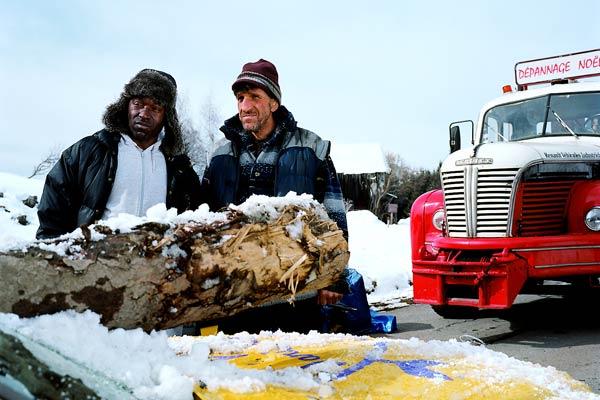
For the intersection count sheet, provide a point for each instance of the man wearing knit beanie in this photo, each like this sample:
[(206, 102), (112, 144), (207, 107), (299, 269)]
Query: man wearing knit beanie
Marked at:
[(268, 154), (135, 162), (258, 81), (261, 73)]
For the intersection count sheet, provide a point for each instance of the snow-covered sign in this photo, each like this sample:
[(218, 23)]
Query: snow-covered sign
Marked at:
[(358, 158), (132, 364), (568, 66)]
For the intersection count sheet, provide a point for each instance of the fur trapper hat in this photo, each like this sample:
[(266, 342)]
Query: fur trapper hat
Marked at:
[(162, 88)]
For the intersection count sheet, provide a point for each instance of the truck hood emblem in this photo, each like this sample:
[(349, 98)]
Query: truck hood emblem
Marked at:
[(474, 161)]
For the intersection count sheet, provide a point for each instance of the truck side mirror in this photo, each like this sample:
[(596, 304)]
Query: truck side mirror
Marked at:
[(454, 138), (457, 129)]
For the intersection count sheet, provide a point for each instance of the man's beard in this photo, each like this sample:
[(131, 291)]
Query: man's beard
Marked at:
[(254, 127)]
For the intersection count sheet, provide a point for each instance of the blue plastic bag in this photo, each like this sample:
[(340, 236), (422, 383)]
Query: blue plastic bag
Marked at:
[(381, 323), (352, 313)]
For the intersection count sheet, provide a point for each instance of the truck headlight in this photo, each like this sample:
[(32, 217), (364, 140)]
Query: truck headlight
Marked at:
[(592, 219), (439, 218)]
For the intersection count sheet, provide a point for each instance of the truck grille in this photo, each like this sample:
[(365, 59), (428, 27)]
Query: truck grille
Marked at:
[(543, 208), (453, 184), (477, 201)]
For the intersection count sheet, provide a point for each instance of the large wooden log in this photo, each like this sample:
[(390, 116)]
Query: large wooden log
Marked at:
[(158, 276)]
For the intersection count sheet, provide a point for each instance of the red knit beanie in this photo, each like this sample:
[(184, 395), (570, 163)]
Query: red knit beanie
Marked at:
[(263, 74)]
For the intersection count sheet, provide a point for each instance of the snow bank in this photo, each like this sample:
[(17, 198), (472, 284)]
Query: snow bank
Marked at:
[(381, 253), (18, 222)]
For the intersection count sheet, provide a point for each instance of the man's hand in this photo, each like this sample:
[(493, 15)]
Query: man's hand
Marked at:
[(325, 296)]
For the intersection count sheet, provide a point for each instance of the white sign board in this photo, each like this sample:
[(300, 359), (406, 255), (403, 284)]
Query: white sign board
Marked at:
[(561, 67)]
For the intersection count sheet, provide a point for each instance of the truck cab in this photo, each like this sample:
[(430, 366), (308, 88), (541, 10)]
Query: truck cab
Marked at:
[(521, 206)]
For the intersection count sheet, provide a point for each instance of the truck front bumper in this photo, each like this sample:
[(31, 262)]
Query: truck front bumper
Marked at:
[(490, 273)]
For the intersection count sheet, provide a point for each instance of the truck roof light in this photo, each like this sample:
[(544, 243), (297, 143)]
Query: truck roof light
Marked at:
[(506, 89)]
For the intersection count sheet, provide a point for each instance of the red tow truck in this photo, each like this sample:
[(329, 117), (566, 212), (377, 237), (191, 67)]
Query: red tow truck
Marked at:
[(519, 209)]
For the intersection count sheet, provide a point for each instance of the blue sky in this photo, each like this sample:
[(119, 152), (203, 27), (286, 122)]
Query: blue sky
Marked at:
[(391, 72)]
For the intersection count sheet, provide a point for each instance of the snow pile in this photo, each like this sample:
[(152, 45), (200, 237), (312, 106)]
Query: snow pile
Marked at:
[(143, 362), (381, 253), (159, 213), (265, 209), (151, 365), (18, 221)]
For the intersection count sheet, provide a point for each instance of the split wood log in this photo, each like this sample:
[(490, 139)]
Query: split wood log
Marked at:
[(158, 276)]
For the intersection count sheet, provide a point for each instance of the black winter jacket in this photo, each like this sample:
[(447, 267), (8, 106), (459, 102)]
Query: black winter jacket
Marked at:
[(78, 186)]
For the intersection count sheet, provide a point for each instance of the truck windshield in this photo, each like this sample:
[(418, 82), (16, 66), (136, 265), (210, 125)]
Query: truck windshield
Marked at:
[(541, 116)]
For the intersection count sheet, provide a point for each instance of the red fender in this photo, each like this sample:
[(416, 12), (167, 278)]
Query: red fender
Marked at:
[(422, 230)]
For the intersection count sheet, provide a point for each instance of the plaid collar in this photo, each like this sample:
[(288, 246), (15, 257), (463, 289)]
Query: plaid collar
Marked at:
[(248, 142)]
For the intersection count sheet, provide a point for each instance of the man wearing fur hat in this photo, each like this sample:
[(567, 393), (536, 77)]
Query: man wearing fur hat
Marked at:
[(268, 154), (135, 162)]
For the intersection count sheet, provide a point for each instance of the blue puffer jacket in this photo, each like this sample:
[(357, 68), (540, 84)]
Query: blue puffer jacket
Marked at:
[(292, 159)]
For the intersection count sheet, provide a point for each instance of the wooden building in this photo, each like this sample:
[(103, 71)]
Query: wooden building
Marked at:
[(362, 170)]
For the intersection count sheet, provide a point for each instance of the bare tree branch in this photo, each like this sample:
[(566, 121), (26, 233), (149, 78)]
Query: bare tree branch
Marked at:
[(46, 163)]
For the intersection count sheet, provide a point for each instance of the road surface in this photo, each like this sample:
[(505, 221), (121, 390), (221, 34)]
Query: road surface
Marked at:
[(562, 332)]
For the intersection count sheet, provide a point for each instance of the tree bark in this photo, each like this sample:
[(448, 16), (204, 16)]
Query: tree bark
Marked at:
[(158, 277)]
